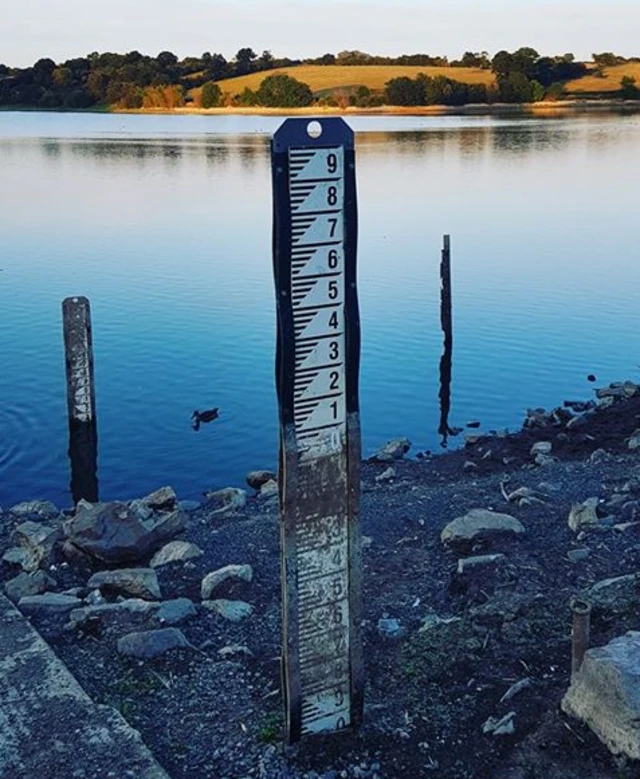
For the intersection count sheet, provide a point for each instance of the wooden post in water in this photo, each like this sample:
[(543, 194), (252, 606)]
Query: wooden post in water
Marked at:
[(446, 323), (81, 401), (318, 353), (445, 292)]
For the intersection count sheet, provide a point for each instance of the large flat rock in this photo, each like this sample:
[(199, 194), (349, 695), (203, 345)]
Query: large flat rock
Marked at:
[(605, 694), (480, 525), (49, 727)]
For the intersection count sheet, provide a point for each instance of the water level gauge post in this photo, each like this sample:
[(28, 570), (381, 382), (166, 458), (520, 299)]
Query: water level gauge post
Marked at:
[(317, 368)]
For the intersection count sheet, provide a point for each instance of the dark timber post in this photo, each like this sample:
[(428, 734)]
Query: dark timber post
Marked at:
[(81, 402), (317, 366), (446, 323), (445, 292)]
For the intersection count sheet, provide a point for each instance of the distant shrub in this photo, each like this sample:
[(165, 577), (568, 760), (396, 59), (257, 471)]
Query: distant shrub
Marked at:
[(211, 95), (628, 88), (537, 91), (361, 97), (404, 91), (163, 96), (555, 92), (247, 98), (282, 91)]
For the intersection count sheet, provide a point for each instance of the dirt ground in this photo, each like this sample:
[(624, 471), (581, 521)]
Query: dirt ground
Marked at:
[(429, 692)]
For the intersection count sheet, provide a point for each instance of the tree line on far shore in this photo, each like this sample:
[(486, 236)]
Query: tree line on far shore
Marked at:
[(134, 80)]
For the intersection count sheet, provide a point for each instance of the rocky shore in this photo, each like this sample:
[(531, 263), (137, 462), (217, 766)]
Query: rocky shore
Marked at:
[(169, 611)]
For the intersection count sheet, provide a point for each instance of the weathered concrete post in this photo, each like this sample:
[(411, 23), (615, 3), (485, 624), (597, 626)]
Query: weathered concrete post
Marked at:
[(81, 401), (446, 323), (317, 366)]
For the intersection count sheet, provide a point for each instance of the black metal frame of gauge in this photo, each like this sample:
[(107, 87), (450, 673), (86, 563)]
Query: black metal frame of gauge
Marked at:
[(294, 134)]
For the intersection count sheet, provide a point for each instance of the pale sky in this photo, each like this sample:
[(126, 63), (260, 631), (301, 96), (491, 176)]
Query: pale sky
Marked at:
[(60, 29)]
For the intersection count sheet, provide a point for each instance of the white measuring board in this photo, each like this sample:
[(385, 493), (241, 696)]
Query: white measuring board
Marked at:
[(317, 285), (315, 274), (316, 187)]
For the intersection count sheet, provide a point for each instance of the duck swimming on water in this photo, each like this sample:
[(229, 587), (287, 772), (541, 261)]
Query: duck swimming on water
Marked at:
[(203, 417)]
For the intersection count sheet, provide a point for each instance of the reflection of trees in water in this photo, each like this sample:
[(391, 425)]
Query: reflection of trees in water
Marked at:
[(534, 138), (220, 151), (252, 150), (469, 141), (527, 136), (217, 154), (110, 151), (51, 148)]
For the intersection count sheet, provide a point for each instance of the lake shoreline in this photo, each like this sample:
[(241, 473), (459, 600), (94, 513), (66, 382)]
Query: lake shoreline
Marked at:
[(499, 623), (545, 108), (478, 109)]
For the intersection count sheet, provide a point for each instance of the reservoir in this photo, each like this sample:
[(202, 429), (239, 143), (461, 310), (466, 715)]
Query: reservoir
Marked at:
[(164, 222)]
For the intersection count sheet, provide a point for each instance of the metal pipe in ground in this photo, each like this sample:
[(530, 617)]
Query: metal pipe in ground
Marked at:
[(581, 625)]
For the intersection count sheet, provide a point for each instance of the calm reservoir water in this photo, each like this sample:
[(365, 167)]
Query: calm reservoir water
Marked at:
[(165, 224)]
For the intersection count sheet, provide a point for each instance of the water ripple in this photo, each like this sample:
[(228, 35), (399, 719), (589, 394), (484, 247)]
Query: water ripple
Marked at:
[(19, 434)]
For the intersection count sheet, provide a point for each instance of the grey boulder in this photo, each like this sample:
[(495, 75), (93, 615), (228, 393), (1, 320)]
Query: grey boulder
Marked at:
[(137, 582), (257, 479), (393, 450), (584, 515), (269, 491), (26, 584), (113, 533), (104, 611), (605, 694), (38, 540), (148, 644), (26, 559), (541, 447), (617, 595), (480, 525), (48, 604), (213, 580), (175, 552), (174, 612), (164, 499), (233, 610), (43, 509), (226, 501)]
